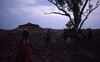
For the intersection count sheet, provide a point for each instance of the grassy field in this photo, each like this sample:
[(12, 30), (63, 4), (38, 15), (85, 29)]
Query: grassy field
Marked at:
[(57, 51)]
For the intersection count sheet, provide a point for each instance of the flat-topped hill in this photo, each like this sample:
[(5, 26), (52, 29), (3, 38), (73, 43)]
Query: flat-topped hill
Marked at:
[(28, 26)]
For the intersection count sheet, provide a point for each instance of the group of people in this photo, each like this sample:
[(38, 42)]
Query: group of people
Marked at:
[(71, 38)]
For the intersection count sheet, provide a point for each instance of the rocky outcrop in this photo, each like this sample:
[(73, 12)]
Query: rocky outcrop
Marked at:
[(29, 26)]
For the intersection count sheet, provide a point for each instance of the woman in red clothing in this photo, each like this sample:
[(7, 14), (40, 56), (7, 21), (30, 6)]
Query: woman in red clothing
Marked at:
[(23, 54)]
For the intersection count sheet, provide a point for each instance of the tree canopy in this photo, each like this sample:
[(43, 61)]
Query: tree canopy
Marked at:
[(78, 8)]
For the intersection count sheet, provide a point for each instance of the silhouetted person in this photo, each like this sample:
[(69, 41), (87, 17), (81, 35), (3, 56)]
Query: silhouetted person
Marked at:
[(84, 35), (66, 38), (23, 54), (65, 35), (80, 36), (68, 41), (69, 36), (48, 38), (74, 44), (89, 34)]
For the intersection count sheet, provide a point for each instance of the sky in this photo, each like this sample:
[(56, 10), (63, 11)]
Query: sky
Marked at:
[(18, 12)]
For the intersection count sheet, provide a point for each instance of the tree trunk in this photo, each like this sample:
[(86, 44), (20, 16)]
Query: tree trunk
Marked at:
[(76, 15)]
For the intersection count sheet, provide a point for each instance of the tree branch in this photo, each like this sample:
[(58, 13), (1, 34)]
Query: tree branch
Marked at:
[(88, 15), (67, 14), (55, 13), (81, 12), (58, 7)]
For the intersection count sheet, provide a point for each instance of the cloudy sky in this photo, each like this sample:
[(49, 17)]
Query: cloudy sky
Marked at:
[(18, 12)]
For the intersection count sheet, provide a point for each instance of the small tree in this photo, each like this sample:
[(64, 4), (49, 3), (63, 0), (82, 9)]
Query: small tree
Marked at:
[(69, 25), (78, 8)]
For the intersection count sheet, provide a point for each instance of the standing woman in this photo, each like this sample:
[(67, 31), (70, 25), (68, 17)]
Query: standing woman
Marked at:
[(23, 54)]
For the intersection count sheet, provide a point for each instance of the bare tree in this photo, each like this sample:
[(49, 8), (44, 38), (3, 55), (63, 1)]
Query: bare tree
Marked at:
[(78, 8)]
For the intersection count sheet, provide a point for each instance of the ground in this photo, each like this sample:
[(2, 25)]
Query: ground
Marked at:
[(55, 51)]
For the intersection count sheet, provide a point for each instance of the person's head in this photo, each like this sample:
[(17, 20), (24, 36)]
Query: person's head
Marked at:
[(65, 30), (48, 30), (25, 34)]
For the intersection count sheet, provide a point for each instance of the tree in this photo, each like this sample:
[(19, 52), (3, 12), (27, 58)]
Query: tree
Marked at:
[(69, 25), (78, 8)]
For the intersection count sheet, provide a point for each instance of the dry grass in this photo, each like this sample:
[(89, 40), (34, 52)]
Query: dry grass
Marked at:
[(55, 52)]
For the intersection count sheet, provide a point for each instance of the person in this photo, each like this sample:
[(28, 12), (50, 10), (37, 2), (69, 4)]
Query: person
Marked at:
[(65, 35), (47, 43), (74, 44), (23, 54), (48, 36), (67, 39), (89, 34)]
